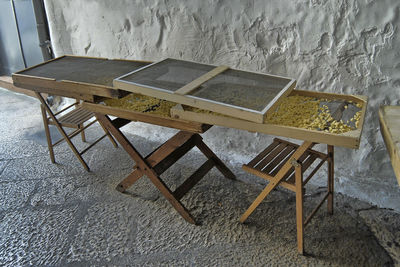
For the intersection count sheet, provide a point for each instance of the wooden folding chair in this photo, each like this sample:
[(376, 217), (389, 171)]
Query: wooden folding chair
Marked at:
[(284, 163), (73, 116)]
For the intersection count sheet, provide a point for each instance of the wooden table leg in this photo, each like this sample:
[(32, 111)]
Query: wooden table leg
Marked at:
[(129, 180), (144, 167), (218, 163)]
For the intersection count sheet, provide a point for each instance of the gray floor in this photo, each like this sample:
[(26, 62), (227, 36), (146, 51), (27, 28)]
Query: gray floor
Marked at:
[(60, 215)]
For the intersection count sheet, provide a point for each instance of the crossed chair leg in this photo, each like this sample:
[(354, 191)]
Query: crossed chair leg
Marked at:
[(276, 165)]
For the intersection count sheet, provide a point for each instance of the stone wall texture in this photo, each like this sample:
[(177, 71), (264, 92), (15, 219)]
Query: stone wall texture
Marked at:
[(349, 47)]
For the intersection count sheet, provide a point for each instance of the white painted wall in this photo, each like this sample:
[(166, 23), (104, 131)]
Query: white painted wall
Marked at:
[(340, 46)]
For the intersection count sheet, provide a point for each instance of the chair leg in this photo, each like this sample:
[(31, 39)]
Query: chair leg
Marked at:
[(47, 131), (108, 134), (299, 209), (331, 169), (61, 130), (83, 136)]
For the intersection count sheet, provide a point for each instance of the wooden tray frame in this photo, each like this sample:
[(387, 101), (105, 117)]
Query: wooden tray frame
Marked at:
[(182, 94), (349, 139), (184, 125), (79, 90)]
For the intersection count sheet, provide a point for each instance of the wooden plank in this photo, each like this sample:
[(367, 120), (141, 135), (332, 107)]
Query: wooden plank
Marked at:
[(350, 139), (183, 125), (316, 152), (275, 171), (305, 165), (199, 81), (169, 147), (76, 115), (168, 158), (314, 171), (278, 99), (316, 209), (63, 87), (217, 161), (270, 156), (194, 179), (268, 177), (129, 180), (261, 155), (389, 119), (299, 209), (6, 82), (290, 175), (51, 91), (279, 159)]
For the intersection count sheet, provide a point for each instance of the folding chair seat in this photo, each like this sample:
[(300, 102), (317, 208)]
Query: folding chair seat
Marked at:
[(284, 163), (73, 116)]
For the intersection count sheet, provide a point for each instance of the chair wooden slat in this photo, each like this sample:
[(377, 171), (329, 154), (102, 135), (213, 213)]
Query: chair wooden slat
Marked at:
[(276, 170), (76, 117), (270, 156), (263, 153), (278, 159), (306, 164)]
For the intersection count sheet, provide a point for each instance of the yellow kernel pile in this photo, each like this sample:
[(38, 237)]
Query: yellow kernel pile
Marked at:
[(356, 118), (306, 112), (142, 103)]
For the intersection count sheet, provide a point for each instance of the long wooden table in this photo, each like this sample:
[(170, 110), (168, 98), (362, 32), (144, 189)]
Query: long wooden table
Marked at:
[(282, 163)]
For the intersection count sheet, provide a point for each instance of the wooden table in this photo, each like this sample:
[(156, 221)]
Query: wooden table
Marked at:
[(90, 79)]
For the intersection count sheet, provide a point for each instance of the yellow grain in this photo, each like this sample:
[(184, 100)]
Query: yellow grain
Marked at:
[(142, 103), (305, 112)]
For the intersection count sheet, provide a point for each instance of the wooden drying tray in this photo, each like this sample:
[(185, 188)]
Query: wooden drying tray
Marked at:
[(181, 124), (84, 78), (90, 79), (349, 139), (389, 118), (209, 87)]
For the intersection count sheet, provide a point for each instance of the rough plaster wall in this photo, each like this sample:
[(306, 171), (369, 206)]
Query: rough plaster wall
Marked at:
[(339, 46)]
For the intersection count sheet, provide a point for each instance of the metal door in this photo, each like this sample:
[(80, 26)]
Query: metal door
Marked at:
[(24, 37)]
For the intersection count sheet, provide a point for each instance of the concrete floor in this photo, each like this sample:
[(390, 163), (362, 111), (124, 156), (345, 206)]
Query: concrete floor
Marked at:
[(60, 215)]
